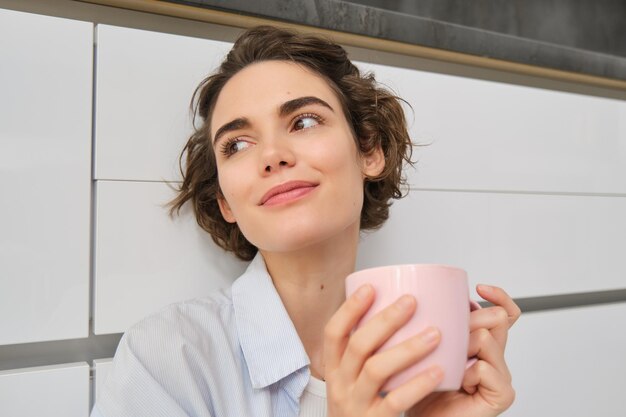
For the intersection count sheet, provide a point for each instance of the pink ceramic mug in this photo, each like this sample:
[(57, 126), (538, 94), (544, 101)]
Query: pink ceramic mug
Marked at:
[(443, 301)]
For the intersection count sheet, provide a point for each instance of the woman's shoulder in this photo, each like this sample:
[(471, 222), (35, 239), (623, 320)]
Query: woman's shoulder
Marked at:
[(201, 319), (161, 358)]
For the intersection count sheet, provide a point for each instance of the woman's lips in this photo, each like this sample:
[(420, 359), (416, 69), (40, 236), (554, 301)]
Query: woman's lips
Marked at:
[(287, 192)]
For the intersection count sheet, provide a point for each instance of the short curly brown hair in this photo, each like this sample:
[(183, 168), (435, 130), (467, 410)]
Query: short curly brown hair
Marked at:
[(373, 113)]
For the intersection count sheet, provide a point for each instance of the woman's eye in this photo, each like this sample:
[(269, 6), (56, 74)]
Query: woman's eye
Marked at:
[(306, 121), (232, 146)]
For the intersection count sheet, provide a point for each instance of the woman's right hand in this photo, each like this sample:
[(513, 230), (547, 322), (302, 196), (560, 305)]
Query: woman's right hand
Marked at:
[(354, 376)]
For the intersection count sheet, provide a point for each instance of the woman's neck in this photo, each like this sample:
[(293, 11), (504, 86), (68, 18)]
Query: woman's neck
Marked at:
[(311, 285)]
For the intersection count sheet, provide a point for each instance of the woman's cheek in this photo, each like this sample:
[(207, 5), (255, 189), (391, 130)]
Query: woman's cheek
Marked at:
[(330, 155), (233, 188)]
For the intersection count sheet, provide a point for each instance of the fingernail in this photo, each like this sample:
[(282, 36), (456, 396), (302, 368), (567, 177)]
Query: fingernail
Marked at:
[(363, 292), (430, 335), (484, 288), (435, 372), (405, 302)]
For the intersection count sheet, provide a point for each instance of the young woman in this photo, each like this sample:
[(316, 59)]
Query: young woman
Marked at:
[(298, 152)]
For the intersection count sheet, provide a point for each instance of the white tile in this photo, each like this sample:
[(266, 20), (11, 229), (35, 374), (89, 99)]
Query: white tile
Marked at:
[(102, 368), (145, 260), (530, 245), (51, 391), (488, 135), (144, 87), (45, 174), (569, 362), (485, 134)]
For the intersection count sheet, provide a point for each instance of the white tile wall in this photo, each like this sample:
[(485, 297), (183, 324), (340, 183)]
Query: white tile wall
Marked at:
[(144, 86), (45, 170), (488, 135), (569, 362), (144, 260), (530, 245), (50, 391), (101, 370)]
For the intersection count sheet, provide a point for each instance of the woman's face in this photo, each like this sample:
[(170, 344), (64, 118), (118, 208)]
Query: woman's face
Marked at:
[(287, 163)]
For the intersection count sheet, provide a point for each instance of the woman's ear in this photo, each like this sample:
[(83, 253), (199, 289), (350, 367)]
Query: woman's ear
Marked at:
[(227, 213), (374, 163)]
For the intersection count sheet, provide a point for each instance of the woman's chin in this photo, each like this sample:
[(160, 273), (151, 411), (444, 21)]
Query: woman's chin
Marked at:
[(309, 239), (292, 246)]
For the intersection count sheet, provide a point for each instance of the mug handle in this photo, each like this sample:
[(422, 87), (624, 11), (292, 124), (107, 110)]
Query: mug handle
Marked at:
[(473, 306)]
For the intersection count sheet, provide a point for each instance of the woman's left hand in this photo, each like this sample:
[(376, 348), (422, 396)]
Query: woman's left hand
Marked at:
[(486, 389)]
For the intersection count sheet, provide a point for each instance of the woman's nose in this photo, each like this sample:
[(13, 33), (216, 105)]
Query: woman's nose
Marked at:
[(276, 154)]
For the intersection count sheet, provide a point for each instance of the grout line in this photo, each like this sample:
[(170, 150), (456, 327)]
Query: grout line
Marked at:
[(28, 355), (94, 194), (412, 189), (563, 301), (92, 240), (525, 192), (147, 181)]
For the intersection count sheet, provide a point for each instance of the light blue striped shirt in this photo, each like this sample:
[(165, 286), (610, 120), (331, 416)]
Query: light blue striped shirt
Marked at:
[(233, 353)]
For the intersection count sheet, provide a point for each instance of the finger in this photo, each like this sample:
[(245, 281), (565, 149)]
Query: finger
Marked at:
[(410, 393), (337, 330), (492, 386), (369, 337), (380, 367), (483, 345), (499, 297), (494, 319)]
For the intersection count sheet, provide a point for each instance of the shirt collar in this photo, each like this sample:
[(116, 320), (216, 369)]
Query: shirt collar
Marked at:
[(269, 341)]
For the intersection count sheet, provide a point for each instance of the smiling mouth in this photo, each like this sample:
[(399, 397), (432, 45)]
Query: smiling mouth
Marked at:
[(285, 193)]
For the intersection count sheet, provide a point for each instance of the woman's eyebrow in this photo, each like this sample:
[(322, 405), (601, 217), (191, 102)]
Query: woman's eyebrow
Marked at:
[(290, 106), (285, 109), (238, 123)]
